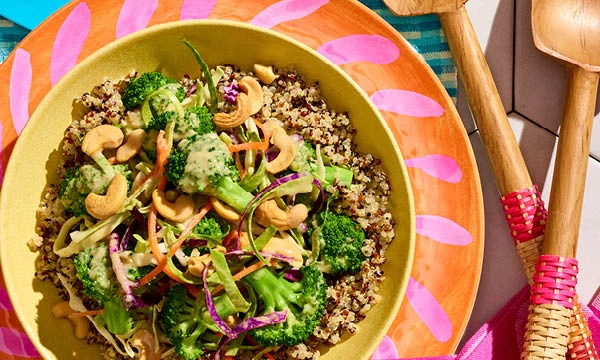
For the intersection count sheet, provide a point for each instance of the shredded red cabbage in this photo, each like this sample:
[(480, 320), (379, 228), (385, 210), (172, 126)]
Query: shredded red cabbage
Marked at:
[(213, 310), (271, 154), (231, 92), (126, 285), (191, 90), (275, 317), (318, 205), (293, 275), (196, 242), (124, 243)]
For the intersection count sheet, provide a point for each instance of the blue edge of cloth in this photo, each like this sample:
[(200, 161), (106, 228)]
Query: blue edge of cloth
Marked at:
[(422, 32)]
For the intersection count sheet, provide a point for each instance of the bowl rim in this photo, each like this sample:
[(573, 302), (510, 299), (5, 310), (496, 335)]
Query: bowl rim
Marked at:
[(35, 116)]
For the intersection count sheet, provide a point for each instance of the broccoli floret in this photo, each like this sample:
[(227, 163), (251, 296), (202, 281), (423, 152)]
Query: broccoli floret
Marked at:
[(305, 159), (340, 240), (94, 269), (197, 120), (139, 88), (175, 166), (80, 181), (187, 323), (159, 122), (203, 164), (136, 273), (212, 227), (304, 302)]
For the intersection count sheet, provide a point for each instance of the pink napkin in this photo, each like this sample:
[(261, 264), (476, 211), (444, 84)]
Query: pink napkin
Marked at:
[(501, 338)]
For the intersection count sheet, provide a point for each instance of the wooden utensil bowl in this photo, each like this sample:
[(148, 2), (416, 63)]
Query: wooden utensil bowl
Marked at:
[(569, 22)]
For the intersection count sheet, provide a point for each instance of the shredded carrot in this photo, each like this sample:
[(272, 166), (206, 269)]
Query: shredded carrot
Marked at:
[(153, 240), (162, 150), (162, 156), (152, 237), (189, 227), (269, 356), (248, 270), (253, 145), (152, 274), (113, 160), (86, 313)]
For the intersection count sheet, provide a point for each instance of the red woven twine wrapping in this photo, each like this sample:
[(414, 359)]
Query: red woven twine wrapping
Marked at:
[(581, 344), (525, 213), (554, 281)]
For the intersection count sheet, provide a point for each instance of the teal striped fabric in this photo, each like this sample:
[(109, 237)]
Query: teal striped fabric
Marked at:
[(422, 32), (10, 36)]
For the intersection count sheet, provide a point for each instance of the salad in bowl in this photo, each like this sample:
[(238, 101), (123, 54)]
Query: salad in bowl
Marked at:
[(224, 213)]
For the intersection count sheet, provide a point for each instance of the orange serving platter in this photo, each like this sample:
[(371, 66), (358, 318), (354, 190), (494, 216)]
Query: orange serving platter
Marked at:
[(421, 115)]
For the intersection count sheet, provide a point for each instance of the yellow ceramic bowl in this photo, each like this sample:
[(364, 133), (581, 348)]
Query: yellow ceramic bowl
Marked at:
[(35, 158)]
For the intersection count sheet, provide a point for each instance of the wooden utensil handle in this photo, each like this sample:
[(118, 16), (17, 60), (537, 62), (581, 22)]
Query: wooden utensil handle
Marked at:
[(566, 195), (499, 141)]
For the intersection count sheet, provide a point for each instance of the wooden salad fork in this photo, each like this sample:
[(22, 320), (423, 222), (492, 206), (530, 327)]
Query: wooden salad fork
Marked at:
[(520, 198)]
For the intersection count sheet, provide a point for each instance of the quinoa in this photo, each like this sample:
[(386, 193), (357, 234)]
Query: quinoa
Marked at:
[(300, 108)]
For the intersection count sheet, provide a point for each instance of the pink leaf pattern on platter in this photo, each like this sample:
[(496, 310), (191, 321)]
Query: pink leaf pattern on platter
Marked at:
[(16, 343), (442, 230), (69, 41), (135, 15), (375, 49), (386, 350), (286, 10), (439, 166), (196, 9), (406, 102), (429, 310), (20, 88)]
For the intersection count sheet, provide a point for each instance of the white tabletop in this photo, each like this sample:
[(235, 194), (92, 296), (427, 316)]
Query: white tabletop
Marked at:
[(532, 87)]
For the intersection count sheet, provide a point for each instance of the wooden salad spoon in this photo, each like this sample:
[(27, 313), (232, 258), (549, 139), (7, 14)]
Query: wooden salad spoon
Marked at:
[(498, 138), (569, 31)]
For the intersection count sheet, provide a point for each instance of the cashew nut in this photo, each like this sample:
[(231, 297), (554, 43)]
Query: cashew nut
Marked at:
[(196, 264), (277, 245), (225, 211), (287, 151), (244, 240), (81, 325), (178, 211), (287, 247), (146, 345), (132, 147), (103, 206), (264, 73), (100, 138), (236, 117), (252, 88), (269, 213)]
